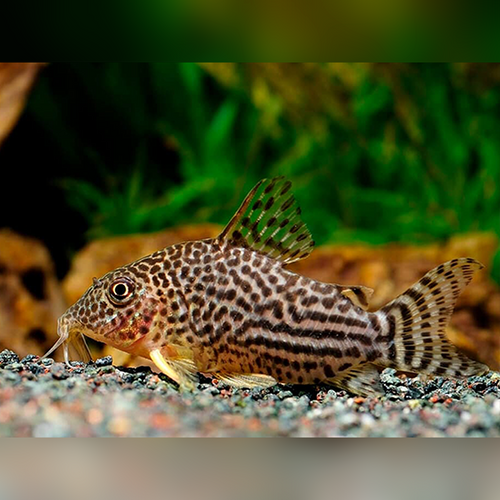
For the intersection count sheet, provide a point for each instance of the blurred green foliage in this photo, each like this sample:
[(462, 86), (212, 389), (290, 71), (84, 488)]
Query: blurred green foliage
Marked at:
[(377, 153)]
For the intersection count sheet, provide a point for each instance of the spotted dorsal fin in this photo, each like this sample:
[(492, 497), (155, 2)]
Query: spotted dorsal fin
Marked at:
[(269, 222), (358, 295)]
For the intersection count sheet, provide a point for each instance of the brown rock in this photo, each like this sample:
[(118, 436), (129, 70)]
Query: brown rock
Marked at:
[(16, 80), (30, 296)]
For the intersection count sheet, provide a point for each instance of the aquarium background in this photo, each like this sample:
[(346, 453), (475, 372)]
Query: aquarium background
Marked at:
[(377, 152), (396, 168)]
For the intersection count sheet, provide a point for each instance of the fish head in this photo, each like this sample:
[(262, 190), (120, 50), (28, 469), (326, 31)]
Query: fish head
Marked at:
[(119, 309)]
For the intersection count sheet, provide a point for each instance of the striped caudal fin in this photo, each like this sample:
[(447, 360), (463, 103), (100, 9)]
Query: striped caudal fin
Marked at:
[(415, 323)]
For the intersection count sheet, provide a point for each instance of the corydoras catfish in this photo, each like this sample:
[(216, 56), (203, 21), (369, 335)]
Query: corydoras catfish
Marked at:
[(228, 306)]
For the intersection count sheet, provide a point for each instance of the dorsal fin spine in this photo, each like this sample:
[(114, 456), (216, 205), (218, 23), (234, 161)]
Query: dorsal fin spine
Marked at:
[(267, 219)]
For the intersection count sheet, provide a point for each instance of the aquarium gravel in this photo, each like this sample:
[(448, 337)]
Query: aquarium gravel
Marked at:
[(39, 397)]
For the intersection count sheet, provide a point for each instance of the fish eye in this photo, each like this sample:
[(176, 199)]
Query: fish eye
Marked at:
[(121, 291)]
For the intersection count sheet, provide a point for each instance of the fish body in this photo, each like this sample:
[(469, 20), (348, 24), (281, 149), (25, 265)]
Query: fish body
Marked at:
[(229, 306)]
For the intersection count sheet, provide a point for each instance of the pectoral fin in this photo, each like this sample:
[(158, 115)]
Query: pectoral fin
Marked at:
[(247, 380), (182, 371)]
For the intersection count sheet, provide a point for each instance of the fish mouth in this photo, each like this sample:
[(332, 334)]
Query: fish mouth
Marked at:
[(68, 336)]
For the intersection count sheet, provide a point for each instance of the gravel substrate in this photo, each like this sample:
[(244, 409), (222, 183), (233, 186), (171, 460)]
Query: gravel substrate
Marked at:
[(44, 398)]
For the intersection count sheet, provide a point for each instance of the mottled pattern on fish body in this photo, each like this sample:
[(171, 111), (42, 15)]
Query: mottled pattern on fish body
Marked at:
[(243, 312), (229, 306)]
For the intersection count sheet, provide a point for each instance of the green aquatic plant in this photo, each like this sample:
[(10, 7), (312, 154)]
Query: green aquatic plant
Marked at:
[(377, 153)]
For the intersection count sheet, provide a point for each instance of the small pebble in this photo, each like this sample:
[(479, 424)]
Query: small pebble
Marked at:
[(106, 361), (45, 398), (58, 371), (7, 357), (29, 358), (14, 367)]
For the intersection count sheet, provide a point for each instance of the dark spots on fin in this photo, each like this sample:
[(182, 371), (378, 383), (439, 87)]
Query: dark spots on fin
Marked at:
[(414, 294), (406, 315), (286, 188), (265, 220), (269, 203)]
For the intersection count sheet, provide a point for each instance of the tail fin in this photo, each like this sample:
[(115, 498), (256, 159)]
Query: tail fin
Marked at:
[(415, 323)]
